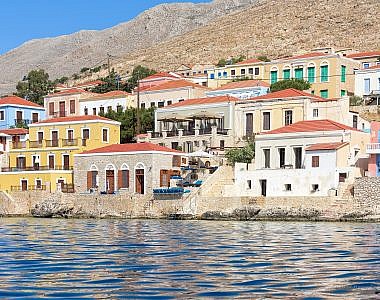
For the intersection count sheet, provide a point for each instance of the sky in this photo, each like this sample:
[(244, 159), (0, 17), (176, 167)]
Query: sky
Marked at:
[(23, 20)]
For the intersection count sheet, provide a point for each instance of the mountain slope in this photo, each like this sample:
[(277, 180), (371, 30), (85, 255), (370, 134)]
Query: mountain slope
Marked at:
[(65, 55)]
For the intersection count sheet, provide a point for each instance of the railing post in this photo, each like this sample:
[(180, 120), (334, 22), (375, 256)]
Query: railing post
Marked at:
[(180, 132)]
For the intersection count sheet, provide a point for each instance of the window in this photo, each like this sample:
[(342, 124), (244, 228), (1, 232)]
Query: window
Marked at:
[(169, 102), (51, 109), (38, 184), (365, 65), (315, 113), (109, 108), (286, 74), (249, 124), (101, 110), (2, 115), (92, 179), (124, 179), (233, 72), (281, 154), (298, 157), (298, 73), (175, 145), (324, 73), (314, 188), (311, 74), (273, 76), (324, 93), (105, 135), (180, 100), (142, 105), (119, 108), (250, 71), (257, 71), (343, 73), (266, 158), (51, 160), (85, 133), (266, 120), (242, 72), (367, 85), (72, 106), (315, 161), (152, 104), (219, 74), (161, 104), (355, 122), (85, 111), (288, 187), (288, 117), (249, 184), (221, 144), (94, 111), (40, 136), (212, 76), (70, 134), (312, 92), (21, 162), (34, 117), (342, 93)]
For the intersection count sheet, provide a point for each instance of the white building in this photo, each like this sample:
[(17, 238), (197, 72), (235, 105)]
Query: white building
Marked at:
[(241, 89), (307, 158), (367, 82)]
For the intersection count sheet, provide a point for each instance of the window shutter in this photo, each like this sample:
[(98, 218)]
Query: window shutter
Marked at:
[(120, 179), (89, 180)]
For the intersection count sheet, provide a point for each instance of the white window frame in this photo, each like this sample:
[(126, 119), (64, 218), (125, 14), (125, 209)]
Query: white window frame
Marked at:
[(67, 133), (89, 132), (262, 120), (108, 135), (323, 64), (35, 182), (317, 111)]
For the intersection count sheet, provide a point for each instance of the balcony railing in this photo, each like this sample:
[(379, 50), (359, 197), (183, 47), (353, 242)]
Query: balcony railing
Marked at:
[(35, 144), (373, 148), (156, 134), (37, 168), (28, 188), (22, 123), (172, 133), (205, 130), (70, 142), (222, 131), (52, 143), (189, 132), (18, 145)]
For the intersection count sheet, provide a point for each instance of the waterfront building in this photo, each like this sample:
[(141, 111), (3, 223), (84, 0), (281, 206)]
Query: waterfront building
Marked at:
[(135, 168), (307, 158), (9, 137), (102, 103), (170, 92), (373, 149), (366, 59), (45, 159), (367, 84), (65, 103), (157, 79), (189, 70), (18, 112), (241, 89)]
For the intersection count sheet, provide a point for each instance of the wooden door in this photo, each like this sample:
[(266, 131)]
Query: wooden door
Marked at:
[(54, 138), (34, 117), (24, 185), (140, 181), (249, 125), (66, 162), (62, 109), (19, 116), (60, 183), (110, 181), (263, 184), (70, 135), (51, 162), (3, 142)]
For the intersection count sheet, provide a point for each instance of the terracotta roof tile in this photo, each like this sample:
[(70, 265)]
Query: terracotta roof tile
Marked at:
[(205, 100), (68, 92), (325, 146), (373, 67), (14, 100), (311, 126), (290, 93), (173, 84), (249, 61), (243, 84), (158, 75), (15, 131), (94, 82), (364, 54), (73, 119), (136, 147), (111, 94)]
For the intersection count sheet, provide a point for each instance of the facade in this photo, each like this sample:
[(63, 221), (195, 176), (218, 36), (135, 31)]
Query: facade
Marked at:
[(135, 168), (307, 158), (330, 74), (101, 103), (241, 89), (366, 59), (18, 112), (169, 93), (367, 84), (45, 159), (157, 79), (9, 137), (193, 69), (197, 124), (373, 149), (65, 103)]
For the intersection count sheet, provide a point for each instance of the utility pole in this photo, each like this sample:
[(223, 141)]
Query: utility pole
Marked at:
[(138, 127), (108, 63)]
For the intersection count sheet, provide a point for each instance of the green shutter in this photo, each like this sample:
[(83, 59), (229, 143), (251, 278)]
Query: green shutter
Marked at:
[(311, 74), (299, 73), (343, 74), (286, 74), (324, 93), (342, 93), (324, 73), (273, 76)]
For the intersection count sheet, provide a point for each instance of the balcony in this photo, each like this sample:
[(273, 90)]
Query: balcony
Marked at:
[(37, 168), (52, 143), (18, 188), (189, 132), (18, 145), (69, 142), (35, 144), (373, 148), (21, 123)]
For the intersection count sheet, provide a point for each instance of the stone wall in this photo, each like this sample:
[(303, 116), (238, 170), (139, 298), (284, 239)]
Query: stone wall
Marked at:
[(367, 193)]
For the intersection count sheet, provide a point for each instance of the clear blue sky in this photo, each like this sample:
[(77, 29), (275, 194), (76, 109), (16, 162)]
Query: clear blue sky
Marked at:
[(22, 20)]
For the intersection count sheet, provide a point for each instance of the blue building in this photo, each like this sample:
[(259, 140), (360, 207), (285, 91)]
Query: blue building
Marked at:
[(18, 112)]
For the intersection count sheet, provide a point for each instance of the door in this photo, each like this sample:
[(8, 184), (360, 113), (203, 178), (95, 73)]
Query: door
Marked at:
[(24, 185), (34, 117), (60, 184), (66, 162), (19, 117), (3, 143), (249, 125), (263, 185), (51, 162), (62, 109), (342, 177), (110, 181), (140, 181), (298, 157), (54, 138), (40, 137)]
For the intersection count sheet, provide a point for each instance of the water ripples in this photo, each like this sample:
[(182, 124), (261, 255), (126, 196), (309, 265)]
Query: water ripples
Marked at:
[(159, 259)]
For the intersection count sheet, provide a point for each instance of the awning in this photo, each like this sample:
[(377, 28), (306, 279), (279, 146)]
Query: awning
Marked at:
[(200, 153)]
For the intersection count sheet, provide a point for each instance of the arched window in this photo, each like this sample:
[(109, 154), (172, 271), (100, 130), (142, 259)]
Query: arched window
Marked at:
[(311, 72), (286, 72), (110, 178), (273, 75), (123, 177), (140, 178), (324, 71)]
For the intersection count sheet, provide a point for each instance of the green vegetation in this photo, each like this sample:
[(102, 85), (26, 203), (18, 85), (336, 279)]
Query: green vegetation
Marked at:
[(84, 69), (294, 83), (234, 60), (139, 72), (241, 155), (128, 120), (356, 100), (35, 86), (241, 79), (61, 80), (263, 58)]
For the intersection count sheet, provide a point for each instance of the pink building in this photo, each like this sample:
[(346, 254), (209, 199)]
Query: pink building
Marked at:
[(373, 149)]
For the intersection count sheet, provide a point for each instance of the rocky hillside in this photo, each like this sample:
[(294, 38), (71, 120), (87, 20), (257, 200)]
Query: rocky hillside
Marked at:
[(65, 55)]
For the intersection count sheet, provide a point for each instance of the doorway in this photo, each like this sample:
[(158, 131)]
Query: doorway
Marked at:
[(66, 162), (62, 109), (140, 181), (263, 185), (54, 138), (110, 181), (24, 185)]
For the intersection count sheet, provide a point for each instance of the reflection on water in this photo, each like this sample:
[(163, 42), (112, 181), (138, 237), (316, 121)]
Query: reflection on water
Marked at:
[(187, 259)]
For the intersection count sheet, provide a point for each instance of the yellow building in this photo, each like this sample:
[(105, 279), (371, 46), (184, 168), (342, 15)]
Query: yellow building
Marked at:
[(331, 74), (45, 159)]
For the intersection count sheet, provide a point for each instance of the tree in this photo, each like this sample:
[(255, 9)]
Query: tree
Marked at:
[(62, 80), (241, 155), (139, 72), (34, 86), (294, 83), (221, 63), (356, 100), (263, 58), (111, 83)]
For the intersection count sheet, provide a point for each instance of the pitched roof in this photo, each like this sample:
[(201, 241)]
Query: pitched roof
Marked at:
[(14, 100), (68, 92), (311, 126), (205, 100), (108, 95), (159, 75), (136, 147), (290, 93), (15, 131), (243, 84), (373, 67), (173, 84), (249, 61), (325, 146), (72, 119), (364, 54), (306, 55)]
